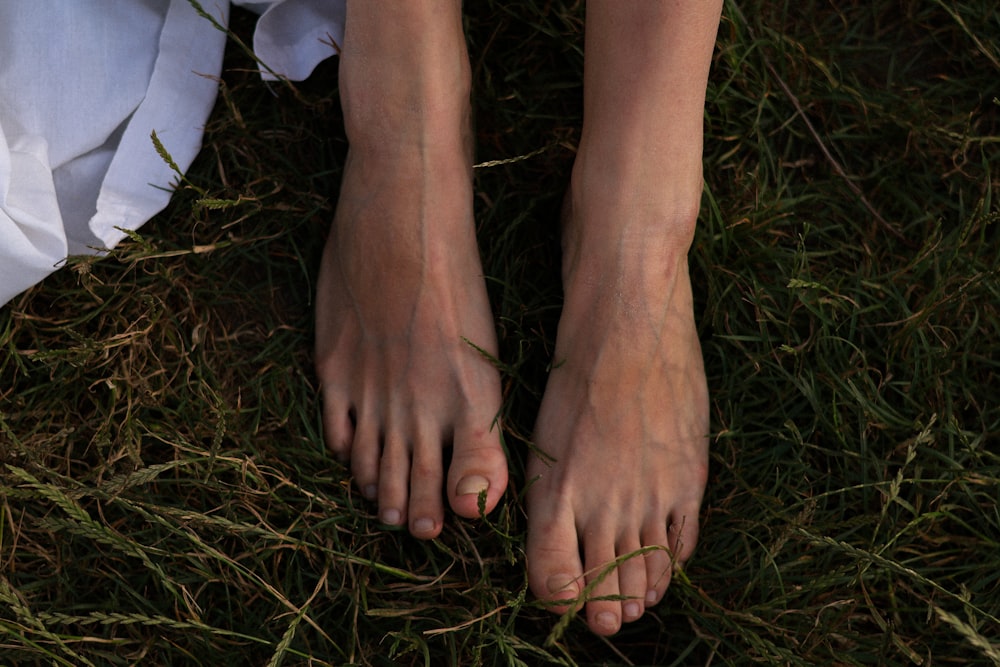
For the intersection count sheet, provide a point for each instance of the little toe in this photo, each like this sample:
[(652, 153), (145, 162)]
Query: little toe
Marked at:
[(394, 481), (478, 464), (338, 429), (683, 533), (426, 511)]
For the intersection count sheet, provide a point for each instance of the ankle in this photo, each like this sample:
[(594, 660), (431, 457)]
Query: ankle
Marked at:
[(405, 78), (412, 117), (632, 212)]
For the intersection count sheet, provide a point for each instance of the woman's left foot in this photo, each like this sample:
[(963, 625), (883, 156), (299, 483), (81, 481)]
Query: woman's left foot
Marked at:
[(624, 417)]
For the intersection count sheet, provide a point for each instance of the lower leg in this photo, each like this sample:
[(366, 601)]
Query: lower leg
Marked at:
[(625, 409), (401, 286)]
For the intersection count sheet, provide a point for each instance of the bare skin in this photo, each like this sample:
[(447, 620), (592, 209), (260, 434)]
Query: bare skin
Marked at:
[(401, 288), (624, 417), (624, 420), (633, 476)]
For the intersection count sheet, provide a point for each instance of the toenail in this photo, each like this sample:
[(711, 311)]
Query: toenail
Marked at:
[(607, 620), (423, 525), (391, 517), (651, 596), (472, 485), (632, 610), (560, 583), (370, 491)]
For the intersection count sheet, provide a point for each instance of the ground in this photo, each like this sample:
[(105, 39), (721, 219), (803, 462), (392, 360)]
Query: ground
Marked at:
[(167, 499)]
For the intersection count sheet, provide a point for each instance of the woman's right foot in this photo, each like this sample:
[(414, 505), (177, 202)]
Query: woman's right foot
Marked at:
[(401, 298)]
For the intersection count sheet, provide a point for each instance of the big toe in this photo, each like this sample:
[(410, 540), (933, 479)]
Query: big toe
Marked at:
[(555, 572), (478, 465)]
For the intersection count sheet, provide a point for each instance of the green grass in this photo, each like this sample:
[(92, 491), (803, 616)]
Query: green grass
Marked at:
[(166, 498)]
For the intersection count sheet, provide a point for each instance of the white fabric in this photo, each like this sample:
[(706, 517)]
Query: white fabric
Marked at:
[(84, 83)]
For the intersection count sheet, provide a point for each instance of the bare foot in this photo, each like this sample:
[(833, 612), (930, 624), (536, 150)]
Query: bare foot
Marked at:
[(624, 417), (401, 288)]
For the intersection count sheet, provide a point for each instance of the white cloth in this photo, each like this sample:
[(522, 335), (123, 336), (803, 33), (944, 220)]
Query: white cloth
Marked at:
[(83, 84)]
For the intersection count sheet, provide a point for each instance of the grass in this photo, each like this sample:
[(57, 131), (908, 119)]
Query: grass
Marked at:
[(166, 498)]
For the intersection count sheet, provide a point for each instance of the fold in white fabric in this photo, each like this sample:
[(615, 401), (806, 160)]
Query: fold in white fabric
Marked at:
[(84, 84)]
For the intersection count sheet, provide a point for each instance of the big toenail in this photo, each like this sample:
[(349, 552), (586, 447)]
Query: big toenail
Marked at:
[(472, 485), (423, 525), (391, 517), (651, 596), (607, 620), (632, 609), (560, 583), (370, 491)]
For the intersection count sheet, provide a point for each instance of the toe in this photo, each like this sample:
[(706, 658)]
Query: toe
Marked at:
[(478, 464), (683, 533), (394, 480), (426, 510), (555, 573), (604, 616), (366, 451), (338, 429), (658, 563), (632, 581)]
